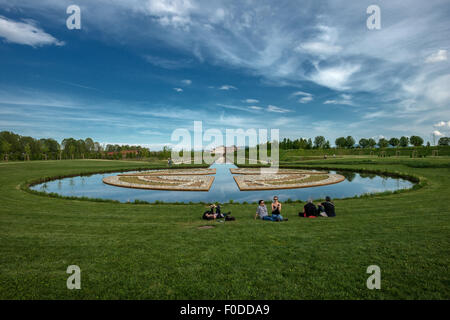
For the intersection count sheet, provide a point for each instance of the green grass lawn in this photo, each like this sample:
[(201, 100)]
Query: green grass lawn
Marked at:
[(129, 251)]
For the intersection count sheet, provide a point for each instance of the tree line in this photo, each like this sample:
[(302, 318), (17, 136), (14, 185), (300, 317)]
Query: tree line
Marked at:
[(17, 147), (349, 142)]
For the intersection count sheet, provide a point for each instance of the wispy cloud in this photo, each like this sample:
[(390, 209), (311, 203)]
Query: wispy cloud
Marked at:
[(186, 82), (272, 108), (178, 89), (441, 55), (167, 63), (305, 96), (343, 99), (151, 132), (442, 124), (323, 44), (227, 87), (26, 33), (251, 101)]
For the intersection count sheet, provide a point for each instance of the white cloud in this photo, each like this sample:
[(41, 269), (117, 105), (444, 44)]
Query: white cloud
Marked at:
[(167, 63), (227, 87), (186, 82), (176, 13), (441, 55), (151, 132), (26, 33), (376, 115), (335, 77), (251, 100), (255, 107), (323, 44), (272, 108), (437, 133), (178, 89), (228, 106), (344, 99), (306, 97), (442, 124)]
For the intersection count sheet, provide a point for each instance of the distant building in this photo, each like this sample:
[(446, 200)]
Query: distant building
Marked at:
[(223, 149), (123, 152)]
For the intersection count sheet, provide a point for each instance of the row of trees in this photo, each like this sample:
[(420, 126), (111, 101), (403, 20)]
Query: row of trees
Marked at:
[(319, 143), (444, 141), (16, 147), (349, 142)]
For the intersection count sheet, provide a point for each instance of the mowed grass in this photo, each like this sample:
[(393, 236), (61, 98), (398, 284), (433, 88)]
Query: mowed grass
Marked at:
[(128, 251)]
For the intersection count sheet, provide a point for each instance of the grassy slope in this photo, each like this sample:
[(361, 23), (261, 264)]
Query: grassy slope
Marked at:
[(156, 251)]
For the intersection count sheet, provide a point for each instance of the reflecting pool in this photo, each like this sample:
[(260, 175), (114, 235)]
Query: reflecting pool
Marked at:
[(223, 189)]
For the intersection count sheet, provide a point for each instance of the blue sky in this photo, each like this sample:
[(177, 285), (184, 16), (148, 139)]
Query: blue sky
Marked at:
[(137, 70)]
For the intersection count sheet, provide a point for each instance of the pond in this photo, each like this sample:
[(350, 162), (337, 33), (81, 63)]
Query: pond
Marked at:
[(223, 189)]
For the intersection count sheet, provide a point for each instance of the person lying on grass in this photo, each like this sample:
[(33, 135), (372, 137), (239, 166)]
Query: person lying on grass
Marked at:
[(210, 215), (261, 212)]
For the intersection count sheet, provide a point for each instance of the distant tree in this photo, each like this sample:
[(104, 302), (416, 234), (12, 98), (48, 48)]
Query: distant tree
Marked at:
[(349, 142), (327, 145), (416, 141), (383, 143), (27, 151), (319, 142), (394, 142), (5, 148), (97, 147), (89, 144), (444, 141), (59, 152), (340, 142), (372, 142), (45, 148), (404, 141), (364, 143)]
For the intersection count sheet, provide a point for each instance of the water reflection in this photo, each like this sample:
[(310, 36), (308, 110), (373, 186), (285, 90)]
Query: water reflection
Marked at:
[(223, 189)]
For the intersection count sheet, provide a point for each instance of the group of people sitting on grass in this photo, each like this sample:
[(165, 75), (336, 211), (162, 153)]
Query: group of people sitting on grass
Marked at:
[(261, 211), (310, 210), (323, 209)]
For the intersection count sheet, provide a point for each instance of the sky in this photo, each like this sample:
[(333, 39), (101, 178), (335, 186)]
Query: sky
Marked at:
[(138, 70)]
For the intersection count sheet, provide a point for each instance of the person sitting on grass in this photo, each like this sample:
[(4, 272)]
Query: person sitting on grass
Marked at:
[(276, 210), (261, 212), (326, 208), (309, 210)]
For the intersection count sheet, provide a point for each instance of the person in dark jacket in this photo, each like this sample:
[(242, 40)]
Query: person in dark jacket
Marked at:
[(326, 208), (309, 210)]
